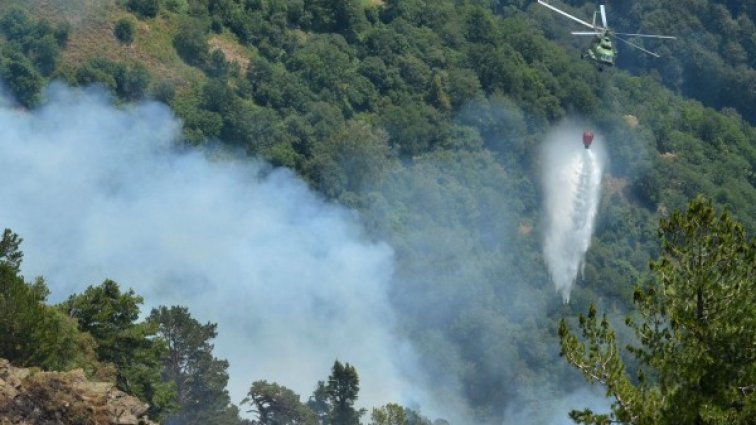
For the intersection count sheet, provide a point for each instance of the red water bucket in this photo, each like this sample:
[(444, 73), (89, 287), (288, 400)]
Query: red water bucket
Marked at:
[(587, 139)]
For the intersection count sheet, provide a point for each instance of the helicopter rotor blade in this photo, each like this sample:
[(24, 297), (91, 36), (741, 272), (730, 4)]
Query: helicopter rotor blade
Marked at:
[(603, 16), (637, 47), (646, 35), (561, 12), (585, 33)]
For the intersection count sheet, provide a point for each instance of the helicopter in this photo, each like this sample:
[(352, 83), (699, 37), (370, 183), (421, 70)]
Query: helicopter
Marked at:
[(602, 50)]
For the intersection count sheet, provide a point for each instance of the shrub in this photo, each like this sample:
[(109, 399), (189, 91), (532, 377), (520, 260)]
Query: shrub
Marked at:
[(124, 30), (191, 45), (144, 8)]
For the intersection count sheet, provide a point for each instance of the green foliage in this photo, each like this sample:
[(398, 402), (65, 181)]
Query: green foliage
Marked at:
[(164, 92), (124, 30), (342, 388), (319, 403), (144, 8), (716, 68), (19, 75), (199, 378), (110, 316), (34, 334), (38, 40), (390, 414), (191, 44), (277, 405), (394, 414), (353, 160), (128, 82), (427, 117), (695, 328), (10, 253), (16, 25), (176, 6), (217, 66)]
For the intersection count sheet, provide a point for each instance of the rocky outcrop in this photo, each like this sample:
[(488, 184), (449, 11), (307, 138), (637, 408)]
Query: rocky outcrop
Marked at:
[(33, 397)]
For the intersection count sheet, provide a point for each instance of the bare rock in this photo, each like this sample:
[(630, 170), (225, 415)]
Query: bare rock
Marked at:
[(34, 397)]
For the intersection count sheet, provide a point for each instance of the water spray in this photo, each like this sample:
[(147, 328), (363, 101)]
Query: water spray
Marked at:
[(572, 185)]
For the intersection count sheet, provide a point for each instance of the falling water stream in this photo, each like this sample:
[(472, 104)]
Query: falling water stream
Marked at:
[(572, 185)]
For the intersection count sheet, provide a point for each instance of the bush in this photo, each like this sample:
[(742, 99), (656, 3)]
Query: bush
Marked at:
[(133, 83), (164, 92), (144, 8), (124, 30), (21, 78), (191, 45), (177, 6), (128, 82)]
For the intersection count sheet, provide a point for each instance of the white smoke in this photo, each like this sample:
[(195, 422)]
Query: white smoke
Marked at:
[(103, 192), (555, 411), (572, 184)]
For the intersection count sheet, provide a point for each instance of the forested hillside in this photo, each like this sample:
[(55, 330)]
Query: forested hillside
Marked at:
[(426, 118)]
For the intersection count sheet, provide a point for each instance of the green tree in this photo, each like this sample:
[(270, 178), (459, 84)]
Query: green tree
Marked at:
[(124, 30), (217, 66), (394, 414), (110, 316), (33, 334), (390, 414), (10, 252), (277, 405), (43, 53), (319, 403), (145, 8), (351, 160), (20, 76), (188, 364), (343, 387), (696, 326), (16, 24), (128, 82), (132, 82), (191, 44)]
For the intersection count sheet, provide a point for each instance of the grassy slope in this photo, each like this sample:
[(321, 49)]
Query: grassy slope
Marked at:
[(92, 36)]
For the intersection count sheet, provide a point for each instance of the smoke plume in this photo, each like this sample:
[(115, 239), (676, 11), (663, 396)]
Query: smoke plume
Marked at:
[(572, 183), (102, 192)]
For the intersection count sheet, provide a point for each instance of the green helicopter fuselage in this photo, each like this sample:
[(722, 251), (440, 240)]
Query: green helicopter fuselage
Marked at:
[(602, 50)]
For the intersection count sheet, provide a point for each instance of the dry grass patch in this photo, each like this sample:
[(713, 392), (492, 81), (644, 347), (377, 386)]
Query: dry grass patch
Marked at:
[(233, 51), (524, 228), (615, 185), (76, 12), (152, 47)]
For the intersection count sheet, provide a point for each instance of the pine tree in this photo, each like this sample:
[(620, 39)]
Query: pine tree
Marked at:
[(696, 328), (10, 253), (343, 387), (277, 405), (31, 332), (110, 316), (199, 378)]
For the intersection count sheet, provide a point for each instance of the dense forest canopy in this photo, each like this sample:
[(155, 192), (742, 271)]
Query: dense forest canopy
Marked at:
[(426, 117)]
